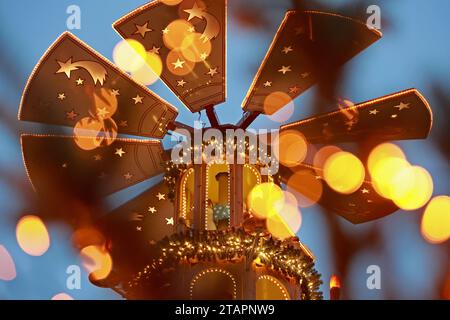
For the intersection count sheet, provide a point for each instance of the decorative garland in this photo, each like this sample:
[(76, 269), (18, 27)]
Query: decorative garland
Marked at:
[(230, 246)]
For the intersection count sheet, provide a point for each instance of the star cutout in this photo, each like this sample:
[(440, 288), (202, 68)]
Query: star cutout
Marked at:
[(212, 71), (71, 115), (64, 165), (191, 29), (304, 75), (79, 81), (169, 221), (161, 196), (142, 30), (128, 176), (402, 106), (294, 90), (288, 49), (374, 111), (66, 67), (394, 116), (97, 157), (267, 84), (178, 64), (139, 228), (120, 152), (155, 50), (102, 112), (181, 83), (115, 92), (365, 190), (138, 99), (165, 30), (203, 56), (151, 209), (61, 96), (123, 123), (285, 69), (195, 12)]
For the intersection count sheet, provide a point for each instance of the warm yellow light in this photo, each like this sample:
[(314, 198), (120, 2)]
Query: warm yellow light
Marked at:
[(97, 260), (149, 72), (176, 33), (177, 64), (7, 266), (306, 187), (194, 48), (322, 156), (344, 172), (385, 173), (285, 223), (32, 235), (384, 151), (265, 197), (335, 282), (129, 55), (275, 101), (171, 2), (62, 296), (291, 148), (435, 224), (413, 188)]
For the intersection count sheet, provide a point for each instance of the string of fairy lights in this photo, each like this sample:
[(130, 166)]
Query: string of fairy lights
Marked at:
[(230, 246)]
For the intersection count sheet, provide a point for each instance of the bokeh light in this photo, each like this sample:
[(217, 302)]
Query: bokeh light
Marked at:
[(383, 151), (177, 64), (177, 32), (321, 156), (414, 187), (306, 188), (290, 147), (384, 176), (150, 71), (285, 223), (344, 172), (435, 224), (87, 236), (86, 133), (264, 198), (62, 296), (194, 48), (129, 55), (32, 235), (7, 266), (275, 101), (97, 261)]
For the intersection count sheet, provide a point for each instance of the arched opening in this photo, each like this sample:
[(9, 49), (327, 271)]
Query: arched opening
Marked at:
[(213, 284), (186, 200), (270, 288), (217, 205)]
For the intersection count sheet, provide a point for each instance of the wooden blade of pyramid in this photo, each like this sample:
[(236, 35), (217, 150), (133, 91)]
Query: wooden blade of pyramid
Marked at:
[(58, 162), (74, 86), (361, 206), (307, 45), (190, 38), (399, 116), (137, 225)]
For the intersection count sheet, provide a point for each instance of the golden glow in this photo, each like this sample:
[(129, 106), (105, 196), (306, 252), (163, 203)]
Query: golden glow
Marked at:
[(32, 235), (344, 172), (178, 30), (306, 187), (97, 260), (129, 55), (284, 223), (87, 236), (177, 64), (171, 2), (322, 155), (275, 101), (384, 176), (149, 72), (264, 198), (335, 282), (194, 48), (435, 224), (62, 296), (7, 266), (291, 148), (383, 151), (86, 132), (413, 188), (283, 113)]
